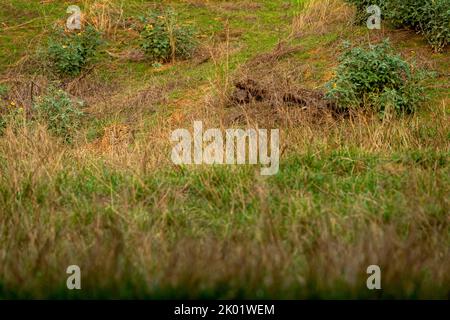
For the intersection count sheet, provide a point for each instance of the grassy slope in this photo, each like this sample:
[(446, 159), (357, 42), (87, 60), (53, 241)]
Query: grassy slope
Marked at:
[(348, 194)]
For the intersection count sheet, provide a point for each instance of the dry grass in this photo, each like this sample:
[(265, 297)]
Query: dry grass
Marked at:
[(270, 90), (320, 17), (139, 226), (39, 161), (105, 15)]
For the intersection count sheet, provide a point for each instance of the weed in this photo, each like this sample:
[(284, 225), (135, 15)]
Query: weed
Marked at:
[(163, 38), (376, 78), (68, 53), (61, 114)]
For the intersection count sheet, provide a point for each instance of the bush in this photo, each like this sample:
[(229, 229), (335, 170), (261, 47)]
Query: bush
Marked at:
[(69, 53), (163, 38), (376, 78), (62, 114), (428, 17)]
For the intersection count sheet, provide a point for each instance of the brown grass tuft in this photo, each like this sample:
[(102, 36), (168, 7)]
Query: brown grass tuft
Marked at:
[(322, 16), (270, 89), (105, 15)]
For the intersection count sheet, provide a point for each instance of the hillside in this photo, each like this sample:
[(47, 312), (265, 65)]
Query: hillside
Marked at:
[(87, 178)]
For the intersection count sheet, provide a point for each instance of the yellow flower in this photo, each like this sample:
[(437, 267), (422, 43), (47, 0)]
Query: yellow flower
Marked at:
[(334, 85), (13, 103), (64, 47)]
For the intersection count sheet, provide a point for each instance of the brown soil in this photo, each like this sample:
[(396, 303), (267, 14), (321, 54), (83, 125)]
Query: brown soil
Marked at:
[(268, 89)]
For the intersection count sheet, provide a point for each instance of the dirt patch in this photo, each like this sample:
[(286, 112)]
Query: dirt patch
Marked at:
[(90, 88), (271, 86), (155, 93), (249, 90), (131, 54), (216, 50)]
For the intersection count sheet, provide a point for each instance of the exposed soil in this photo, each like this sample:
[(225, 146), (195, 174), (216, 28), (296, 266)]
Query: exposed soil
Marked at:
[(269, 81), (249, 90)]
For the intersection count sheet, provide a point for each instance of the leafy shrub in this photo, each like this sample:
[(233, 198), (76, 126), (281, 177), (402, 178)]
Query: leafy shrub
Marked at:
[(428, 17), (68, 53), (62, 114), (163, 38), (376, 78)]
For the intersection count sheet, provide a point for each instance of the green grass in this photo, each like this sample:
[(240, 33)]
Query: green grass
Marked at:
[(352, 188)]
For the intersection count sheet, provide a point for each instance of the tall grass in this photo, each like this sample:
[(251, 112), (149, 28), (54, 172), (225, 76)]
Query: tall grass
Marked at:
[(355, 194)]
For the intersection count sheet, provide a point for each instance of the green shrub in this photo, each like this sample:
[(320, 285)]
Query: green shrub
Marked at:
[(163, 38), (376, 78), (68, 53), (62, 114), (428, 17)]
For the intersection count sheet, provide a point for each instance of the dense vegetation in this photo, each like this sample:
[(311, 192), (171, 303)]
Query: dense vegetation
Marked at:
[(376, 78), (428, 17), (68, 53)]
